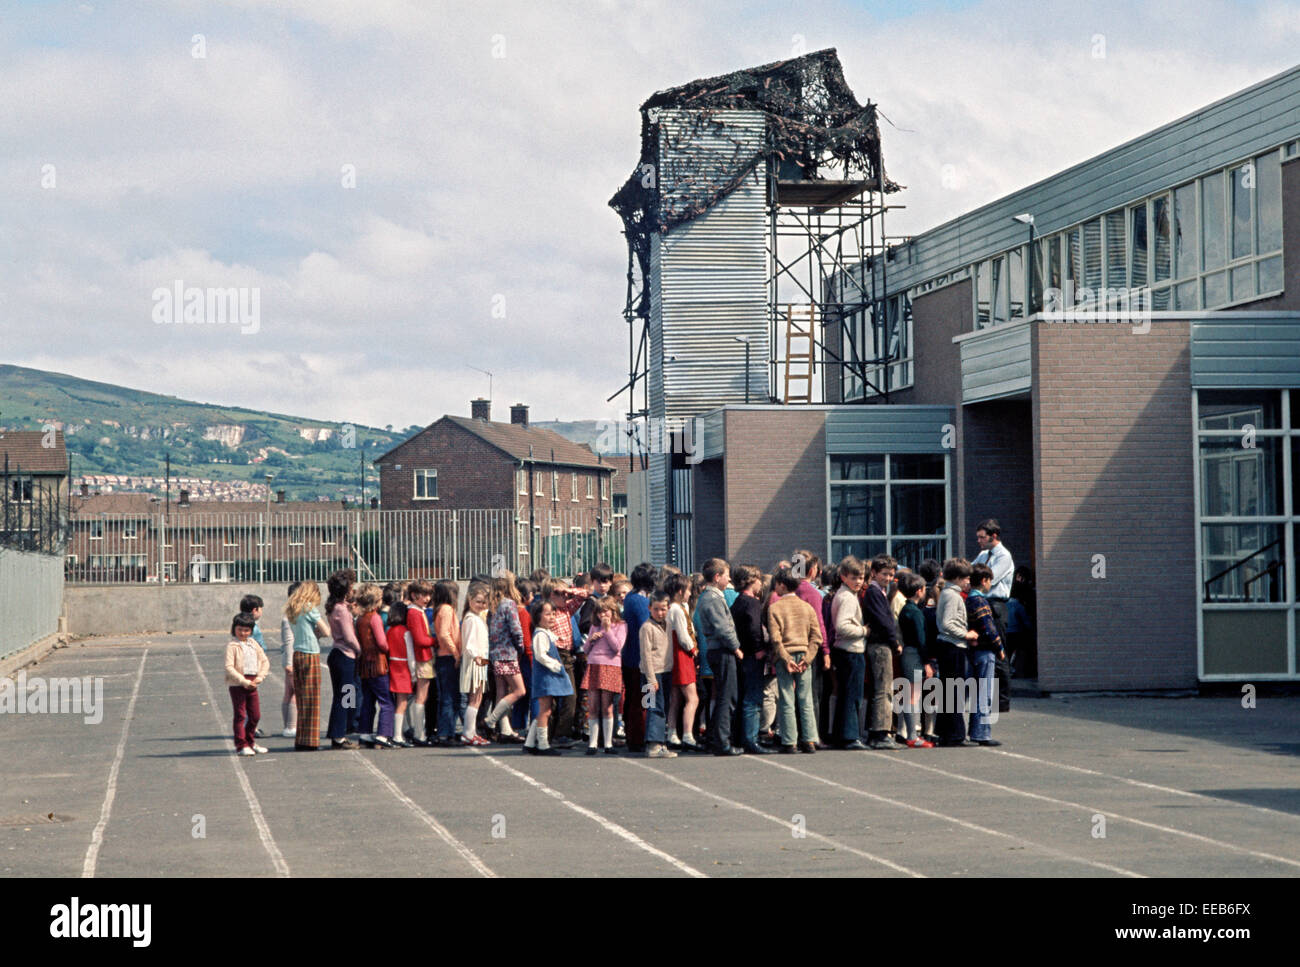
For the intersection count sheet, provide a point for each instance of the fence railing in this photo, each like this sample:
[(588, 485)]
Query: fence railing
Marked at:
[(200, 546), (33, 514)]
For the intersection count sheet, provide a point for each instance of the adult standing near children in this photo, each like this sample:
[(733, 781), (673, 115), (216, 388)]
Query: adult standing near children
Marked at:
[(636, 611), (883, 640), (994, 554), (724, 653)]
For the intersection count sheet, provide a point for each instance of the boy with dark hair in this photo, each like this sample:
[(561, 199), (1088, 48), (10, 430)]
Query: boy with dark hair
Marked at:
[(656, 671), (850, 653), (252, 604), (916, 654), (955, 637), (246, 667), (985, 650), (747, 613), (636, 611), (882, 643), (723, 650)]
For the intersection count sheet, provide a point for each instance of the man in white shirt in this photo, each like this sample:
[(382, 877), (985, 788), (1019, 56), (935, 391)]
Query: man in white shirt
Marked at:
[(995, 554)]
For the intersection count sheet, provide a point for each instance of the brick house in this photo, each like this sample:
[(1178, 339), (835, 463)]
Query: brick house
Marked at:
[(560, 491), (117, 538), (33, 487)]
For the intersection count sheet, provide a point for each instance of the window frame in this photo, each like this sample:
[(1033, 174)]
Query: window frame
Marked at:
[(426, 474)]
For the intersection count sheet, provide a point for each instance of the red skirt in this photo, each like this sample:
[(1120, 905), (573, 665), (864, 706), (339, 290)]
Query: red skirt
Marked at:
[(399, 677), (683, 668), (606, 678)]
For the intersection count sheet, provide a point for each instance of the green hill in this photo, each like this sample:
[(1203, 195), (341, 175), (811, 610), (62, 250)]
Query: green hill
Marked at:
[(116, 430)]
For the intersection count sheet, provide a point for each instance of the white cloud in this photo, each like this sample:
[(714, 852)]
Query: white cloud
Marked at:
[(479, 176)]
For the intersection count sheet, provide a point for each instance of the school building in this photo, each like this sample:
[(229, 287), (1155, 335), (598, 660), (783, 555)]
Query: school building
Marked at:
[(1107, 361)]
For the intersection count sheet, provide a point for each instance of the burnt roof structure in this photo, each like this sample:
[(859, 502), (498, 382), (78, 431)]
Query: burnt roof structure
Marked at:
[(814, 123), (754, 194)]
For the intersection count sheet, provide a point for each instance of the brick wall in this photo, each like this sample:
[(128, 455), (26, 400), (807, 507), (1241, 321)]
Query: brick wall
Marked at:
[(471, 474), (775, 480), (710, 510), (936, 317), (996, 460), (1112, 430)]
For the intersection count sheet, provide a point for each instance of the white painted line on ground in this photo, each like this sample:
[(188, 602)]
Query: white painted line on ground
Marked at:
[(443, 833), (1148, 785), (1271, 857), (784, 823), (974, 827), (263, 830), (607, 824), (97, 837)]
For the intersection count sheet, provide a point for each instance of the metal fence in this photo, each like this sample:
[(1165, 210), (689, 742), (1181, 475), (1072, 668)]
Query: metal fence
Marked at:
[(33, 515), (200, 546)]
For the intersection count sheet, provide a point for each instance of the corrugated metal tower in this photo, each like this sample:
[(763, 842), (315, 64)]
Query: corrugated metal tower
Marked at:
[(734, 241)]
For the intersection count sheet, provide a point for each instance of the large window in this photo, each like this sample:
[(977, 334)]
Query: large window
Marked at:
[(889, 504), (1248, 509), (1214, 241)]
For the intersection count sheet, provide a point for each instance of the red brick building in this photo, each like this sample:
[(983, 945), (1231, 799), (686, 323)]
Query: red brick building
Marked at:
[(559, 490)]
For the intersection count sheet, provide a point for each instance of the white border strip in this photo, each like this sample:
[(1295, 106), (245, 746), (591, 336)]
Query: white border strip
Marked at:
[(607, 824), (1271, 857), (974, 827), (467, 854), (97, 837), (1218, 800), (263, 831), (785, 824)]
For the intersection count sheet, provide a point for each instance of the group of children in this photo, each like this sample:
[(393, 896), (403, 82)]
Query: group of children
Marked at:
[(656, 662)]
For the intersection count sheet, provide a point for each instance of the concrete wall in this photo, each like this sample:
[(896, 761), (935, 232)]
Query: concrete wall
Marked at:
[(1113, 437), (31, 598), (137, 609)]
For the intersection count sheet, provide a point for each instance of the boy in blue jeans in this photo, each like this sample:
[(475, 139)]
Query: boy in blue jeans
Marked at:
[(984, 652)]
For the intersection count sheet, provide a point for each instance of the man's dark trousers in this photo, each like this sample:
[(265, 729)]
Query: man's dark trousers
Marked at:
[(1001, 667), (954, 667), (723, 664)]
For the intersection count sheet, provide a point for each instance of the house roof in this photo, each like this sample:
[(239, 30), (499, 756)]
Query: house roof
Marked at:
[(26, 451), (521, 443), (143, 504)]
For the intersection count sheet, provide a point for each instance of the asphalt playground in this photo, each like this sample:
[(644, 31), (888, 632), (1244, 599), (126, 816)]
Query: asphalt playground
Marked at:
[(1086, 786)]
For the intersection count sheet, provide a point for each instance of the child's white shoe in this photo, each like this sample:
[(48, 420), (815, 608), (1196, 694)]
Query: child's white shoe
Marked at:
[(290, 733), (261, 749), (246, 751)]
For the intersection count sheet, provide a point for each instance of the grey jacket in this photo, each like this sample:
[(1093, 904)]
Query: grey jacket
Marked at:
[(716, 622)]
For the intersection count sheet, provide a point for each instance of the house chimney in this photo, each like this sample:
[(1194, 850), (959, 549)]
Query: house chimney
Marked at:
[(480, 409), (519, 414), (185, 498), (279, 496), (374, 503)]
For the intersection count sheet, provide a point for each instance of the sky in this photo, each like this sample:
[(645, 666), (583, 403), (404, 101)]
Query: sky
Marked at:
[(416, 191)]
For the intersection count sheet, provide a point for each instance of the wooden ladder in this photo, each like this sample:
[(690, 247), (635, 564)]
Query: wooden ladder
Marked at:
[(800, 357)]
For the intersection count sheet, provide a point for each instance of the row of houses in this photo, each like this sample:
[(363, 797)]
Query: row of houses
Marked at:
[(463, 496)]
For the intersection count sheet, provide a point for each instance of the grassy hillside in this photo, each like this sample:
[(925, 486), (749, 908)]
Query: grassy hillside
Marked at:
[(115, 430)]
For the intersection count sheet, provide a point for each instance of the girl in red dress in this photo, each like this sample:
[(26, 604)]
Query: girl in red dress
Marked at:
[(681, 636)]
